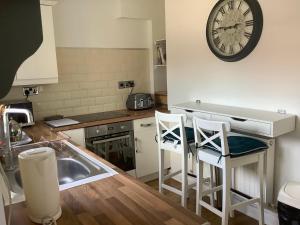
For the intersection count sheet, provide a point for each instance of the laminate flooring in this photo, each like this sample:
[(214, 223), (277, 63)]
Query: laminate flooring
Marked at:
[(239, 219)]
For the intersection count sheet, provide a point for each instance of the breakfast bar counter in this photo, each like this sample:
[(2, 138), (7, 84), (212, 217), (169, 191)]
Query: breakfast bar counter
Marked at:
[(117, 200)]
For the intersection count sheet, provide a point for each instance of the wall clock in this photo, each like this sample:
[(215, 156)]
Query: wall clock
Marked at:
[(234, 28)]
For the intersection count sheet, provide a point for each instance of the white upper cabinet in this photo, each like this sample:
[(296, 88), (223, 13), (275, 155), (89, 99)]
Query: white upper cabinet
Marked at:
[(41, 67)]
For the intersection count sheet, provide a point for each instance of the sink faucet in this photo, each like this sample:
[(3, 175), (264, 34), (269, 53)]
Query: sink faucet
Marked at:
[(8, 155)]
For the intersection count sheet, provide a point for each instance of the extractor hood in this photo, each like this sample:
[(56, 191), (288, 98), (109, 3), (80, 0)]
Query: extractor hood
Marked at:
[(21, 35)]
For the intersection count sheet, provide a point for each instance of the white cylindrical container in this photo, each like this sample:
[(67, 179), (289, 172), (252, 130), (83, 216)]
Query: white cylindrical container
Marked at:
[(38, 169), (2, 212)]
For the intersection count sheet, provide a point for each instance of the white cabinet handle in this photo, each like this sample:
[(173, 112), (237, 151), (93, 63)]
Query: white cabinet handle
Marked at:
[(146, 124), (136, 146)]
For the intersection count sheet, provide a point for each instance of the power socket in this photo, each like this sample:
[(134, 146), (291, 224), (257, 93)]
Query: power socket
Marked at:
[(126, 84), (29, 91)]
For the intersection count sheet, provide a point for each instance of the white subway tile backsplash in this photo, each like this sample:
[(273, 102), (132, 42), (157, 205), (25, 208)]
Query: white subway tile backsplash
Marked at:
[(72, 102), (88, 81), (87, 101), (96, 108), (79, 94), (94, 93)]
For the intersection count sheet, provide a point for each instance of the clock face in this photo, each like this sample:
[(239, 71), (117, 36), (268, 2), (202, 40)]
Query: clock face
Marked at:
[(234, 28)]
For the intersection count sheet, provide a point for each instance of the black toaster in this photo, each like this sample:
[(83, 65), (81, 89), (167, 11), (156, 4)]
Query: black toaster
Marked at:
[(139, 101)]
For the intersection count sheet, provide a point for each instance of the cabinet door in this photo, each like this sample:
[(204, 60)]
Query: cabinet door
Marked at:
[(77, 136), (41, 67), (146, 147)]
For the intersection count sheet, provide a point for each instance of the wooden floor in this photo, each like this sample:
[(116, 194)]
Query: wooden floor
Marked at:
[(239, 219)]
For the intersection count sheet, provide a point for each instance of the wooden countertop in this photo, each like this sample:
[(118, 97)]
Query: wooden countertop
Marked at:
[(42, 132), (129, 115), (117, 200)]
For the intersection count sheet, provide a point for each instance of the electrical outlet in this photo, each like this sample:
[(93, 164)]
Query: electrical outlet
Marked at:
[(131, 83), (29, 91), (126, 84), (121, 85)]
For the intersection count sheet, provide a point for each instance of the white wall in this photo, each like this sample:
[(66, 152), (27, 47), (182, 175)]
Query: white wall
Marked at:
[(267, 79), (112, 24), (154, 12), (94, 23)]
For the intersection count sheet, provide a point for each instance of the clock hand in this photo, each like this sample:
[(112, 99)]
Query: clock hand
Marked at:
[(234, 26), (237, 25), (229, 27), (221, 28)]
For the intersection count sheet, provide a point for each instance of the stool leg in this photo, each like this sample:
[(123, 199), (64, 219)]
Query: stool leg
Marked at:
[(260, 168), (233, 186), (184, 188), (211, 185), (199, 168), (226, 202), (161, 169)]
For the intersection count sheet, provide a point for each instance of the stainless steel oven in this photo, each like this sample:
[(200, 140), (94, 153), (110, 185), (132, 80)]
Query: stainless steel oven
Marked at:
[(113, 142)]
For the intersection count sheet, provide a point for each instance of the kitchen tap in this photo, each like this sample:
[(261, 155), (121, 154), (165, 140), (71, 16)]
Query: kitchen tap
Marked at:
[(8, 155)]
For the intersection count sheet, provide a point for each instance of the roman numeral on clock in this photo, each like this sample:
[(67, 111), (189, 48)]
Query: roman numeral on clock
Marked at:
[(247, 35), (231, 5), (222, 48), (217, 21), (222, 10), (249, 23), (246, 12), (241, 2), (231, 51), (214, 32), (241, 46), (217, 41)]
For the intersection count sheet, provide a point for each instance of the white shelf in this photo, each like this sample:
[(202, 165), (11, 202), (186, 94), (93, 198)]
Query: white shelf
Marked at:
[(160, 66), (161, 40), (48, 2)]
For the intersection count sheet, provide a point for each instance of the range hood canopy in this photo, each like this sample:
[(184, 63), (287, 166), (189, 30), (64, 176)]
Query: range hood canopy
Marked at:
[(21, 35)]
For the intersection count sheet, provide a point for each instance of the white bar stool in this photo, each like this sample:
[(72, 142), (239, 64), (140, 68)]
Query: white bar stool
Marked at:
[(173, 136), (226, 152)]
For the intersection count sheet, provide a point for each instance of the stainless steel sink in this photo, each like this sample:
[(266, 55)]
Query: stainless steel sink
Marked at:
[(69, 170), (74, 167)]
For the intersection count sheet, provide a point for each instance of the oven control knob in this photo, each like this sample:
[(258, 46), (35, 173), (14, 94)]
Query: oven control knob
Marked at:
[(123, 127), (97, 131)]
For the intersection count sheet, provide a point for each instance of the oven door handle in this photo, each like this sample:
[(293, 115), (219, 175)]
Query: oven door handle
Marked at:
[(111, 139)]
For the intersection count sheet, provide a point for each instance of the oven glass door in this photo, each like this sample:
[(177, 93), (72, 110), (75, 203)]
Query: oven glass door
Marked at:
[(117, 149)]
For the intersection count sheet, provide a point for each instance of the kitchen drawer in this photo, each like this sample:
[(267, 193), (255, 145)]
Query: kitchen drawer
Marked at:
[(249, 126), (190, 114), (144, 124), (202, 115)]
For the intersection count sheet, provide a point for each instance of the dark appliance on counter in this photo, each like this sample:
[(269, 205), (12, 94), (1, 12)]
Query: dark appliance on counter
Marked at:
[(139, 101), (113, 142), (20, 104)]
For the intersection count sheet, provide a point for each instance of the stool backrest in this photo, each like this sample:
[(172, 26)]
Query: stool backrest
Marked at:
[(207, 132), (166, 124)]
